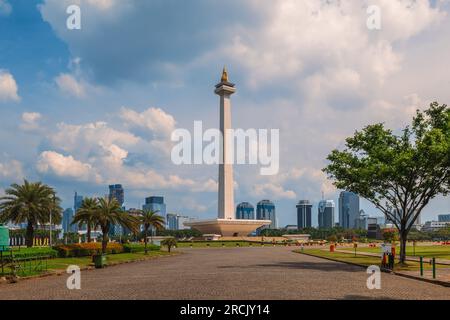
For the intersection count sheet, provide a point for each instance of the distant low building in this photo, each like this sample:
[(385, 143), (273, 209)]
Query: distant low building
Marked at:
[(432, 226)]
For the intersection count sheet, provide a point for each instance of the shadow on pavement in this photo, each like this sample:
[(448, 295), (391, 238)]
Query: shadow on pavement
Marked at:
[(320, 266)]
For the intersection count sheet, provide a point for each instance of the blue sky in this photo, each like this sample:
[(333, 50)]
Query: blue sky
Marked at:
[(85, 108)]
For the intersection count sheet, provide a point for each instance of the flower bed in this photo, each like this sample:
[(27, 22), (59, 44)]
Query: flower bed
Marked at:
[(87, 249)]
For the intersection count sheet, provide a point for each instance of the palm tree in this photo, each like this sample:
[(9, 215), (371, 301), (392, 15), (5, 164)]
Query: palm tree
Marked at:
[(110, 213), (150, 218), (169, 243), (86, 215), (31, 203)]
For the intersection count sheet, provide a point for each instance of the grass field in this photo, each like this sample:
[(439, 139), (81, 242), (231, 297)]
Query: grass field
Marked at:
[(364, 260), (440, 252), (60, 264)]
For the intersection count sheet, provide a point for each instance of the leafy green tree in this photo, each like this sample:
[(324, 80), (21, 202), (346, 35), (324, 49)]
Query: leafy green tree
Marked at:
[(110, 213), (86, 215), (31, 203), (169, 243), (398, 174), (150, 218)]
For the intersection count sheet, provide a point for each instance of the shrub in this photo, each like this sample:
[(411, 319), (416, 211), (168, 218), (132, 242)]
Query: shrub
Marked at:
[(87, 249), (134, 247), (34, 253)]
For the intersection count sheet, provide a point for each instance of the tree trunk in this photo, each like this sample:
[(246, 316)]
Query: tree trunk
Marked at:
[(403, 238), (145, 240), (104, 240), (89, 233), (29, 235)]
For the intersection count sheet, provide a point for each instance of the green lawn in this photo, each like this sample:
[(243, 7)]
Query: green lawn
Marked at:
[(441, 252), (60, 264), (364, 260)]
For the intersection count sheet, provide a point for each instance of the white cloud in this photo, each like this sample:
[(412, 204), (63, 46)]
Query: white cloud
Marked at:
[(269, 190), (30, 121), (5, 8), (153, 119), (11, 170), (87, 138), (51, 162), (68, 84), (8, 87)]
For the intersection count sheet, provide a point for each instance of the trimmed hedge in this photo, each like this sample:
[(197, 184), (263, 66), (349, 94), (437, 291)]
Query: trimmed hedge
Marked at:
[(134, 247), (31, 253), (87, 249)]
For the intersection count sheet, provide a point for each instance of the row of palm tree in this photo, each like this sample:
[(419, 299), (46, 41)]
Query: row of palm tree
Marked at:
[(35, 203), (103, 213)]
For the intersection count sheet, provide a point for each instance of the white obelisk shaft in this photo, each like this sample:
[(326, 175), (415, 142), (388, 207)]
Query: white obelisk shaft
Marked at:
[(226, 184)]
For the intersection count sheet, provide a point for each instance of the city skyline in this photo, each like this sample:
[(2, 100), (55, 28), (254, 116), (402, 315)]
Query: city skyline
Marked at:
[(84, 118)]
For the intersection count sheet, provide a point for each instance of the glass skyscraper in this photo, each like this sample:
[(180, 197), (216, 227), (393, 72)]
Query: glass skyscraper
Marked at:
[(67, 221), (304, 214), (265, 210), (117, 192), (156, 203), (348, 210), (326, 214), (245, 211)]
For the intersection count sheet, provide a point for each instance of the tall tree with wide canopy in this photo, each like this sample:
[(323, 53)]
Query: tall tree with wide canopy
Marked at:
[(398, 174), (86, 215), (108, 213), (31, 203), (150, 218)]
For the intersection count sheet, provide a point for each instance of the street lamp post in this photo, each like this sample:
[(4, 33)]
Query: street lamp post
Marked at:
[(51, 211)]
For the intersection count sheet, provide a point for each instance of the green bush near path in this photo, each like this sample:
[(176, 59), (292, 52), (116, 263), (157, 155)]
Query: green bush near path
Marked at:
[(28, 253), (440, 252), (364, 260), (137, 247)]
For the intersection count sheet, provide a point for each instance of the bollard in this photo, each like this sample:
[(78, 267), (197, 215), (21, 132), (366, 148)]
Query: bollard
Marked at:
[(421, 266), (434, 267)]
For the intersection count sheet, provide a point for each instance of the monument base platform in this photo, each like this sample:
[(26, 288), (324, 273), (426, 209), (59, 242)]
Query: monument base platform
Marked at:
[(227, 227)]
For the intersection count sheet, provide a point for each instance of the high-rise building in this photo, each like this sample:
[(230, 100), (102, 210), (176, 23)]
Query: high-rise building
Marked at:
[(265, 210), (348, 210), (172, 221), (117, 192), (245, 211), (326, 214), (67, 220), (176, 221), (77, 202), (444, 218), (304, 214), (156, 204)]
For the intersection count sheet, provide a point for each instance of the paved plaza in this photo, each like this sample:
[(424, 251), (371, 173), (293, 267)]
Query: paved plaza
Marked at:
[(227, 273)]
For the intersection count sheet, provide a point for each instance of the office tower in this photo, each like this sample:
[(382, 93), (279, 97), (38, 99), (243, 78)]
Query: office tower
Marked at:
[(67, 221), (348, 210), (172, 221), (117, 192), (77, 202), (245, 211), (444, 218), (156, 204), (265, 210), (304, 214), (326, 214)]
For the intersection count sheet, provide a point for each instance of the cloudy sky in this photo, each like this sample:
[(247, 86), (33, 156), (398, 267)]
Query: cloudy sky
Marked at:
[(81, 109)]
